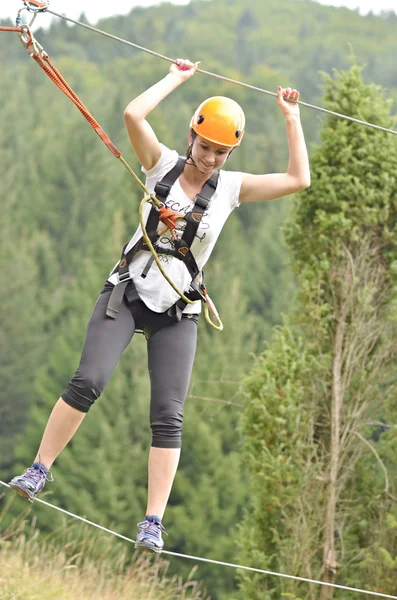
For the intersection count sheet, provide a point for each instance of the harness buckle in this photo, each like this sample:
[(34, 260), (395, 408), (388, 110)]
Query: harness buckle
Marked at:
[(162, 189), (124, 277), (201, 201), (198, 288)]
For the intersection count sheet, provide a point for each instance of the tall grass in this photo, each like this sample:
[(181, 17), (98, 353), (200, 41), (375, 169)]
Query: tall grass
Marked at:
[(77, 563)]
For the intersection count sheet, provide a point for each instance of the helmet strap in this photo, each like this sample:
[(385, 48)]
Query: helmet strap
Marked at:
[(190, 148), (189, 156)]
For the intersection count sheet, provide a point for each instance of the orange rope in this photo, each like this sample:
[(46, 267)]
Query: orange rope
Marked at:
[(55, 76), (52, 72), (17, 29)]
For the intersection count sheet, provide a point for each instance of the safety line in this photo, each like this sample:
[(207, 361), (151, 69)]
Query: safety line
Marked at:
[(215, 562), (221, 77)]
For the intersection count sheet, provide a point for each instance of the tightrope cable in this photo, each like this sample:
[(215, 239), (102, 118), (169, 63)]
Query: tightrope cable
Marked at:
[(221, 77), (215, 562)]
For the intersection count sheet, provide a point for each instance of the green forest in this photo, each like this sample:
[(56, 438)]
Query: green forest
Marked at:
[(289, 458)]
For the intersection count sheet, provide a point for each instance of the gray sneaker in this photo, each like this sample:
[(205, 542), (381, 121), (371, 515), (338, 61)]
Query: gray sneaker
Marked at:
[(149, 536), (32, 481)]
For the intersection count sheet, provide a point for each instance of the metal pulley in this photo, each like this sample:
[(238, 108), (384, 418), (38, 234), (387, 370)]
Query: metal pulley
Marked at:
[(35, 6)]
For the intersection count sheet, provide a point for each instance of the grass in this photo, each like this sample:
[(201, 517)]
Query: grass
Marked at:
[(76, 563)]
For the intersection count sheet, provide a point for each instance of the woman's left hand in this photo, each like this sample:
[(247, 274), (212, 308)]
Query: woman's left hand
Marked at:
[(287, 100)]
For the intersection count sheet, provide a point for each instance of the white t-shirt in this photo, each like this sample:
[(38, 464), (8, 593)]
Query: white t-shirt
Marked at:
[(154, 290)]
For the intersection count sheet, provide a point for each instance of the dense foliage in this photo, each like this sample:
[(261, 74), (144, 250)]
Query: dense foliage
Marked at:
[(68, 206), (320, 419)]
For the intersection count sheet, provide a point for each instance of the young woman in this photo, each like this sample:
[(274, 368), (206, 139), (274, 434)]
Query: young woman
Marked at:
[(136, 295)]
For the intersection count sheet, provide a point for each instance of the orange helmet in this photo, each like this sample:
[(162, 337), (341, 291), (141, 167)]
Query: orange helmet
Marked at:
[(220, 120)]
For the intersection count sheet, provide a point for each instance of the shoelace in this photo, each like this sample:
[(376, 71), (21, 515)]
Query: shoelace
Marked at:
[(152, 528), (36, 475)]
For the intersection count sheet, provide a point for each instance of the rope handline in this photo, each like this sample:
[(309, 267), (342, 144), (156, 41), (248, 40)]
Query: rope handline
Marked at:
[(215, 562), (221, 77), (35, 50)]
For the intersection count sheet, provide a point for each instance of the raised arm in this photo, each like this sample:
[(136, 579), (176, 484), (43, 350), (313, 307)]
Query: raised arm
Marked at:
[(141, 134), (256, 188)]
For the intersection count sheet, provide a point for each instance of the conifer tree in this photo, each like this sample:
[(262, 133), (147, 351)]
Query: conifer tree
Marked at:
[(22, 336), (324, 387)]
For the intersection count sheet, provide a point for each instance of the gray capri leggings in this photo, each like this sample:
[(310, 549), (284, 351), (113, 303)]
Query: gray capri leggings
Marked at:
[(171, 352)]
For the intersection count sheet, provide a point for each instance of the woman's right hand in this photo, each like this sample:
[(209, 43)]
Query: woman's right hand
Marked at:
[(184, 68)]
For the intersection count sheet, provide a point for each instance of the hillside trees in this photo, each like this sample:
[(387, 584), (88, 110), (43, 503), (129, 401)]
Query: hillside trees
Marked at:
[(297, 38), (319, 422), (69, 208)]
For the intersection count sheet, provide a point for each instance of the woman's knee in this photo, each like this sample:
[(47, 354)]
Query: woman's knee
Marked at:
[(166, 422), (84, 389)]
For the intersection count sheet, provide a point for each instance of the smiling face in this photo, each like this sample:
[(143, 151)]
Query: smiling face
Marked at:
[(209, 156)]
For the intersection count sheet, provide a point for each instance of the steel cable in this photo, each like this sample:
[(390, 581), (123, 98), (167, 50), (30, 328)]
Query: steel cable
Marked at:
[(215, 562), (220, 77)]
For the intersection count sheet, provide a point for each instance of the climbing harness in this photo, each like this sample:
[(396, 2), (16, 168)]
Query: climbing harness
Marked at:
[(168, 217), (216, 562), (181, 248)]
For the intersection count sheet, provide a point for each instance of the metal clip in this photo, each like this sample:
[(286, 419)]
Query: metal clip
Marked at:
[(30, 44), (124, 277), (27, 20)]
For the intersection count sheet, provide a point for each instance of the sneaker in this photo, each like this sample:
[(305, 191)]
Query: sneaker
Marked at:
[(32, 481), (149, 536)]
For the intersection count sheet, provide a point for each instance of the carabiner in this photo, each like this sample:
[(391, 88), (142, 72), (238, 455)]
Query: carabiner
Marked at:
[(210, 306), (27, 20), (30, 44)]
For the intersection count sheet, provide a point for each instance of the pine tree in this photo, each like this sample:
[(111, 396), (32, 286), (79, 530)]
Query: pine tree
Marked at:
[(325, 382), (22, 336)]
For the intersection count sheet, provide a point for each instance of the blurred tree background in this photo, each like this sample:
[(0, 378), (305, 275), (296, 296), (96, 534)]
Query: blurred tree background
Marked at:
[(68, 207)]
